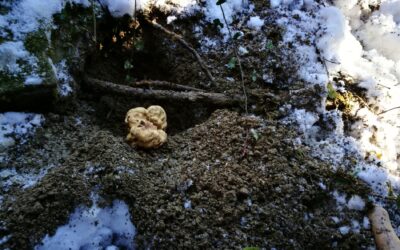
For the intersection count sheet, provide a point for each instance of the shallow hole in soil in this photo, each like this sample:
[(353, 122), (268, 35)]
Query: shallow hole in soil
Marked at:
[(126, 55), (111, 110)]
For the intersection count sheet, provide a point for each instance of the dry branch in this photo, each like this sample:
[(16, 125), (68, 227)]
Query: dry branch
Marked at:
[(215, 99), (162, 85), (185, 44)]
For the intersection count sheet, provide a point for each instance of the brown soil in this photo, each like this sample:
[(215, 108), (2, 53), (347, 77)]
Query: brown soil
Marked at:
[(243, 191)]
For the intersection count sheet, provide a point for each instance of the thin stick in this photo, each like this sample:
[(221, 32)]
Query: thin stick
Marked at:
[(94, 22), (383, 86), (185, 44), (238, 58), (215, 99), (134, 13), (330, 61), (162, 85), (385, 111)]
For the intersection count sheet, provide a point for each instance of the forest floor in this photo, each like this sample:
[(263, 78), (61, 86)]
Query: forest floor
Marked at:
[(224, 179)]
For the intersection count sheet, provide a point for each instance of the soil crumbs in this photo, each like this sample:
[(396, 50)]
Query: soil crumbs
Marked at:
[(231, 182)]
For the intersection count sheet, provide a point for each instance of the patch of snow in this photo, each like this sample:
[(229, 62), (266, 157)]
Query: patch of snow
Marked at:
[(94, 228), (187, 204), (16, 125), (383, 25), (10, 177), (230, 8), (4, 239), (124, 170), (355, 226), (78, 121), (301, 28), (348, 37), (335, 219), (249, 202), (356, 203), (243, 50), (63, 77), (322, 185), (344, 230), (33, 80), (304, 119), (26, 16), (213, 11), (366, 223), (255, 22), (119, 8), (275, 3), (10, 53), (340, 198), (170, 19)]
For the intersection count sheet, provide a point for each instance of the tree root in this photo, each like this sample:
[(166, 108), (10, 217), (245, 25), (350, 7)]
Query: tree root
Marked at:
[(162, 85), (185, 44), (215, 99)]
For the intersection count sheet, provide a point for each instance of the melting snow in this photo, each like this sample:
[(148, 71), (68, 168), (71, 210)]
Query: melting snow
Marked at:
[(356, 203), (15, 125), (349, 38), (10, 177), (26, 16), (255, 22), (94, 228)]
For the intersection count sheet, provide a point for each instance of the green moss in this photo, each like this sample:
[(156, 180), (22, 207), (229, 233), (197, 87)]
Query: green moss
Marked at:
[(10, 83), (46, 71), (73, 23), (36, 42)]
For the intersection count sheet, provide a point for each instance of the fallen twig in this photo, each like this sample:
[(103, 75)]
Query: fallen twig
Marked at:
[(385, 111), (327, 60), (162, 85), (185, 44), (216, 99)]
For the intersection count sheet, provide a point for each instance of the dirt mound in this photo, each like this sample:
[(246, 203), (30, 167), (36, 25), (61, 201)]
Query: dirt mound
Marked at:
[(231, 182), (216, 186)]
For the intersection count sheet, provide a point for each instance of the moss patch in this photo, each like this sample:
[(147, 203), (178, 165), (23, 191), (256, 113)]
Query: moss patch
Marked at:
[(9, 83)]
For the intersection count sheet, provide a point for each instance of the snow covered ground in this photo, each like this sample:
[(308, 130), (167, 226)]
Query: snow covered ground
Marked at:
[(107, 228), (16, 125), (26, 17), (364, 45)]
